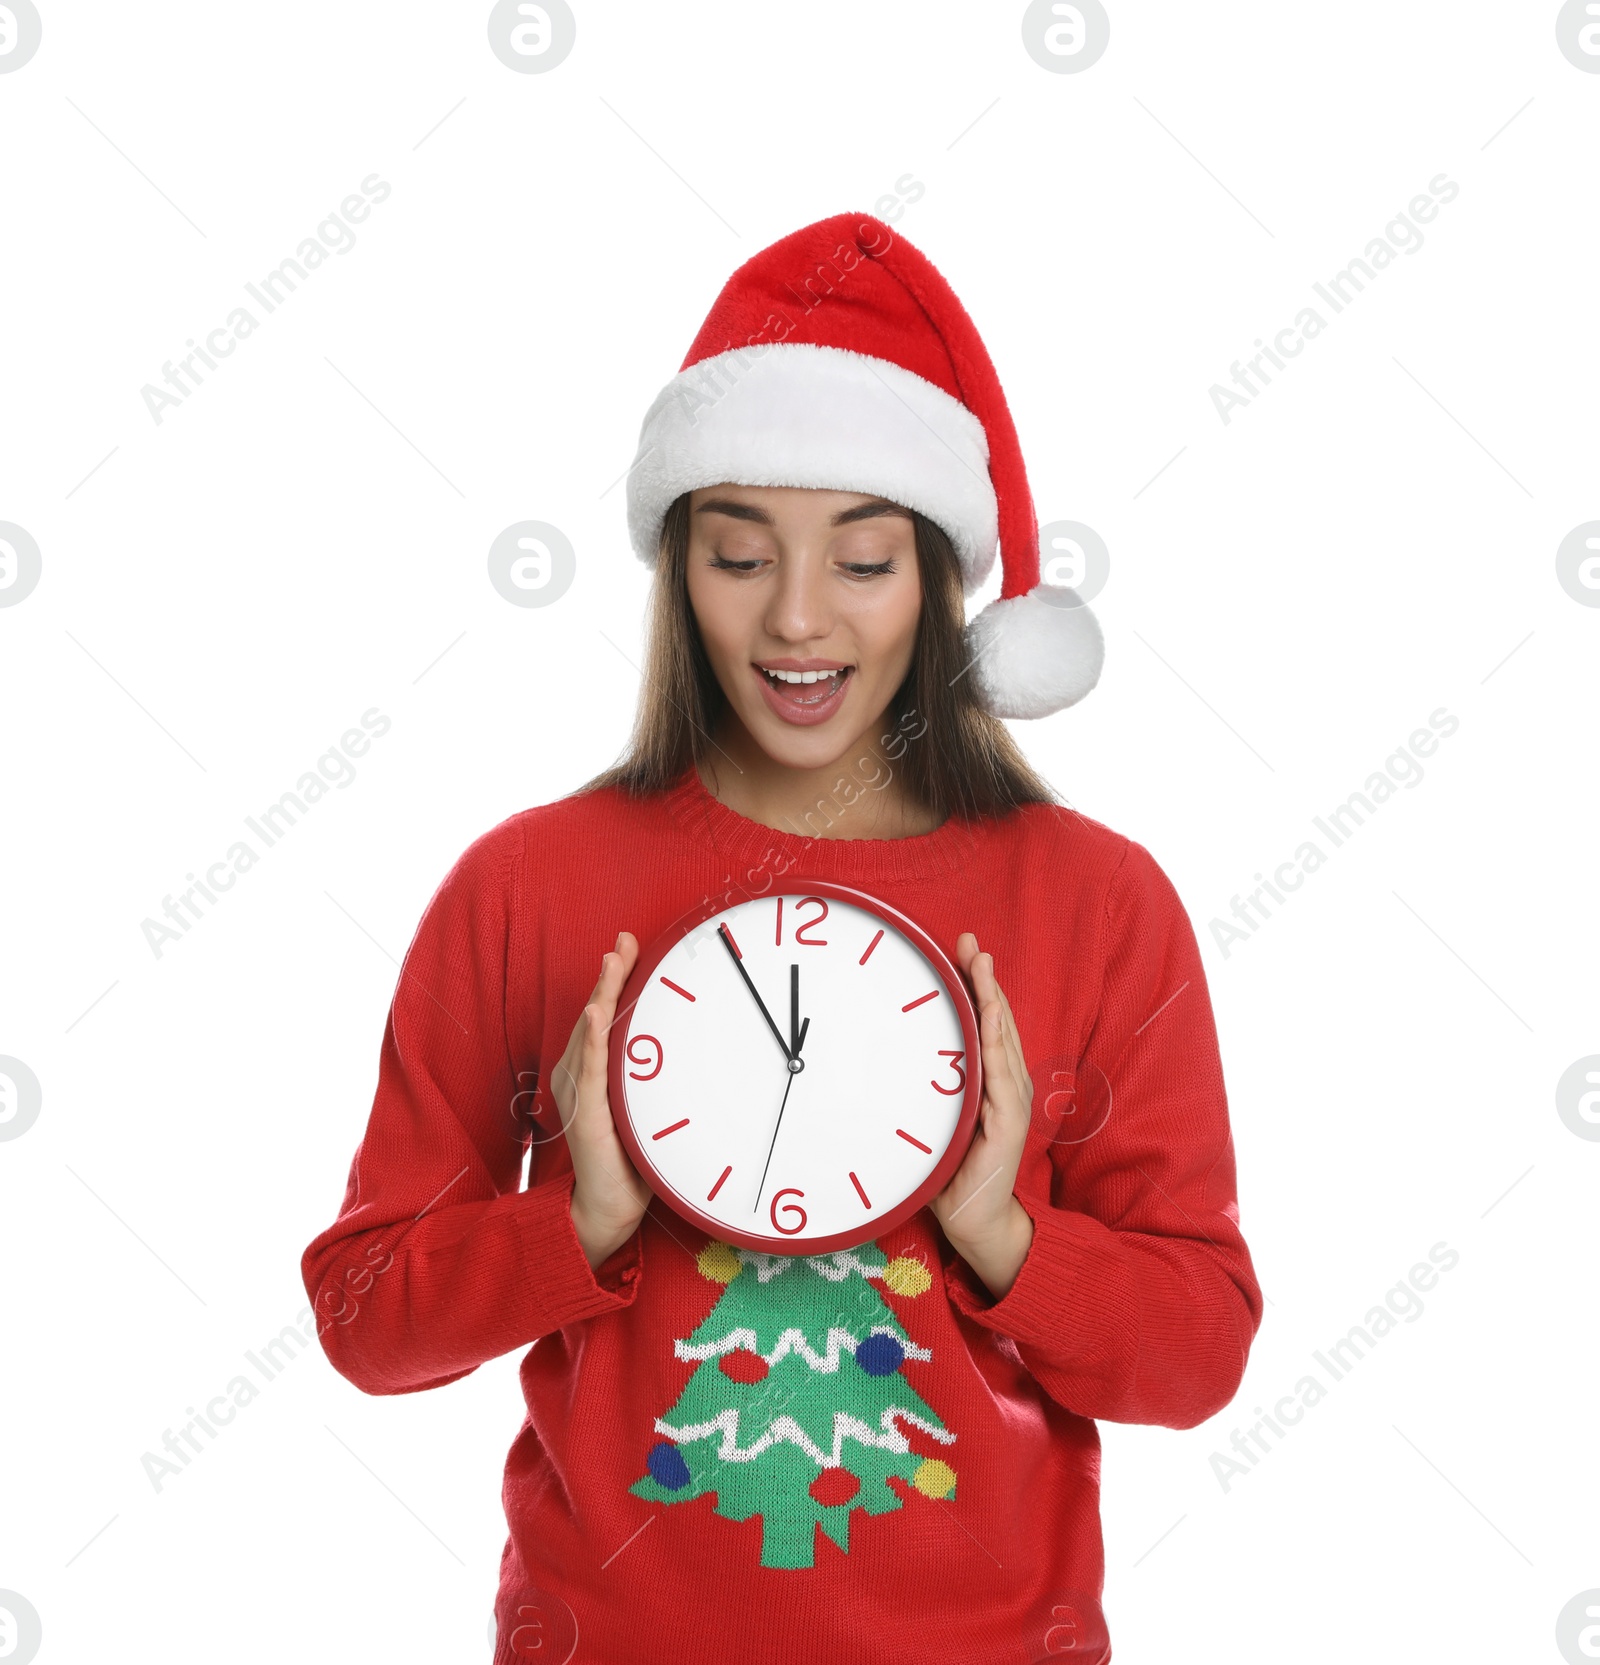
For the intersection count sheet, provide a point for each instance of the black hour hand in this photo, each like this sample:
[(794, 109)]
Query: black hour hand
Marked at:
[(797, 1029)]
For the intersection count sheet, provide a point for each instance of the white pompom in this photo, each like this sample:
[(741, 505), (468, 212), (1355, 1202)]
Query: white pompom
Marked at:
[(1035, 653)]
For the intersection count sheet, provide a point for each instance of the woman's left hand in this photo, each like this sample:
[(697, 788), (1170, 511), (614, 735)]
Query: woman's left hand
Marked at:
[(978, 1209)]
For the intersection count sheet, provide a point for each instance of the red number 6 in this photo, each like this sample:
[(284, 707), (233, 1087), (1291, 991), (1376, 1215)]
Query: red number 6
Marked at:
[(788, 1208)]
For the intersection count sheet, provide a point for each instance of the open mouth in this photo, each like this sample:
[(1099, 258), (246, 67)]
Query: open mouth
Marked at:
[(807, 687), (807, 696)]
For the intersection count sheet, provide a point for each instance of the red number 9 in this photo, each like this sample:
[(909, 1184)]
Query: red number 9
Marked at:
[(644, 1040)]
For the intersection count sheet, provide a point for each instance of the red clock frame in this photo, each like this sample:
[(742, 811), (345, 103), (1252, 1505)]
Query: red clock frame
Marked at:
[(966, 1122)]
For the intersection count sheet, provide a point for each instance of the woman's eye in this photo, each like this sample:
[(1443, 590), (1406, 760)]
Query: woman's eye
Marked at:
[(753, 563)]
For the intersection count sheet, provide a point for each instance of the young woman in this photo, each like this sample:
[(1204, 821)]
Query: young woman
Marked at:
[(817, 489)]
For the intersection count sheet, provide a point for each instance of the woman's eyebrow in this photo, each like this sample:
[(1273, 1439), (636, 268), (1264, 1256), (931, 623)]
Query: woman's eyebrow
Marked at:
[(748, 511), (738, 511), (869, 511)]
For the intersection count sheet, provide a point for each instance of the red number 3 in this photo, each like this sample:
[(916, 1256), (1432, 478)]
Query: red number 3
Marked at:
[(961, 1075)]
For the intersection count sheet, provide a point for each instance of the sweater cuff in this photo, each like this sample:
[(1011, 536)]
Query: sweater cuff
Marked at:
[(555, 1271), (1069, 1292)]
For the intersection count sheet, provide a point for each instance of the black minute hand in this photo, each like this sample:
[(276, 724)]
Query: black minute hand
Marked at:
[(733, 954)]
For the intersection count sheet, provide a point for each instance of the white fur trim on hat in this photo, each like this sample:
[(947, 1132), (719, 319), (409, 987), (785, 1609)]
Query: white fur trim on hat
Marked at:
[(792, 414), (1035, 653)]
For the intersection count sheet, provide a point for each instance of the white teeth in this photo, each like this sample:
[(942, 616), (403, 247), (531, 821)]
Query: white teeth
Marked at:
[(803, 676)]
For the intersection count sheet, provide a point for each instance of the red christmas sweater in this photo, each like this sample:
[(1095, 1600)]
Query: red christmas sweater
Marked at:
[(712, 1467)]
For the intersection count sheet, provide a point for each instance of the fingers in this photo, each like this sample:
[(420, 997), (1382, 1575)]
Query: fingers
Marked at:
[(991, 1009), (1008, 1089), (591, 1111), (598, 1155), (999, 1077), (1019, 1067), (594, 1042), (601, 1012), (615, 966), (980, 968), (579, 1061)]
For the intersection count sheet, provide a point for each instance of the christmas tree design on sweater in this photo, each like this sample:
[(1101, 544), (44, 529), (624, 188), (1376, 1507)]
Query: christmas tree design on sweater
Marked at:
[(798, 1407)]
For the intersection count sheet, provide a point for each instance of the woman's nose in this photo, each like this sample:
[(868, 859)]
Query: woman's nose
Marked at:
[(798, 610)]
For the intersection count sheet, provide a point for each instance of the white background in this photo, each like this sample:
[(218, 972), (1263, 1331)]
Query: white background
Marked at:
[(1291, 594)]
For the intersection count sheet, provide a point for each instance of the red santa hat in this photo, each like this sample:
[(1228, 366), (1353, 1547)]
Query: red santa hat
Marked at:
[(840, 358)]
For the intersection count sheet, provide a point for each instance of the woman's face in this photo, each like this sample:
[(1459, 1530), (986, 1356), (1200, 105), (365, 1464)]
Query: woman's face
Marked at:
[(800, 582)]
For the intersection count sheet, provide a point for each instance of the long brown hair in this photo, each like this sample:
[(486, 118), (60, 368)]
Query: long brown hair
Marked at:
[(956, 758)]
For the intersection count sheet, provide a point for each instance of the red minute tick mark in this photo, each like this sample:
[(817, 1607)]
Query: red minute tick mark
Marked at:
[(921, 1000), (866, 1201), (925, 1149), (673, 1129), (870, 946), (676, 990), (718, 1186)]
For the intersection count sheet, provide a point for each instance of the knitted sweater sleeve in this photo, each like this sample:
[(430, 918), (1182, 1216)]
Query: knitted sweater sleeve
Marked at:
[(1137, 1300), (438, 1260)]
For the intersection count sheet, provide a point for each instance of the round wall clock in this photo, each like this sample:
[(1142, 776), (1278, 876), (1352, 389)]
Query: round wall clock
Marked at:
[(796, 1073)]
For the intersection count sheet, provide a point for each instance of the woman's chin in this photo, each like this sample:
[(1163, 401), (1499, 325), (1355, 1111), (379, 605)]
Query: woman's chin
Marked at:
[(805, 746)]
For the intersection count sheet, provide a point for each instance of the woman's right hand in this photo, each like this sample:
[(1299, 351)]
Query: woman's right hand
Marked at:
[(609, 1198)]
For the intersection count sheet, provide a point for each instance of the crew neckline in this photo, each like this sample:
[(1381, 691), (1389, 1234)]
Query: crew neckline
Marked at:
[(736, 837)]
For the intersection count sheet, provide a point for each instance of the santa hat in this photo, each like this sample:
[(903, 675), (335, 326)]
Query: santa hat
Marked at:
[(840, 358)]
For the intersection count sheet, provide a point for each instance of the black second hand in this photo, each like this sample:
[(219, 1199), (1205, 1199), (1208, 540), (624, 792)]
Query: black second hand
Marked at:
[(773, 1146), (797, 1039)]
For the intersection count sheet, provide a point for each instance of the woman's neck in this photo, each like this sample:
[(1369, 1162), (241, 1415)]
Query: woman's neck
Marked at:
[(860, 796)]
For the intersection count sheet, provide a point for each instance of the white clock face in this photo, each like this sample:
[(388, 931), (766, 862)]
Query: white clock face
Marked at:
[(793, 1069)]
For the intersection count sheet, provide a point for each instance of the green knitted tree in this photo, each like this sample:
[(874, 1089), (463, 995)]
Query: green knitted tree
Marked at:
[(795, 1412)]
